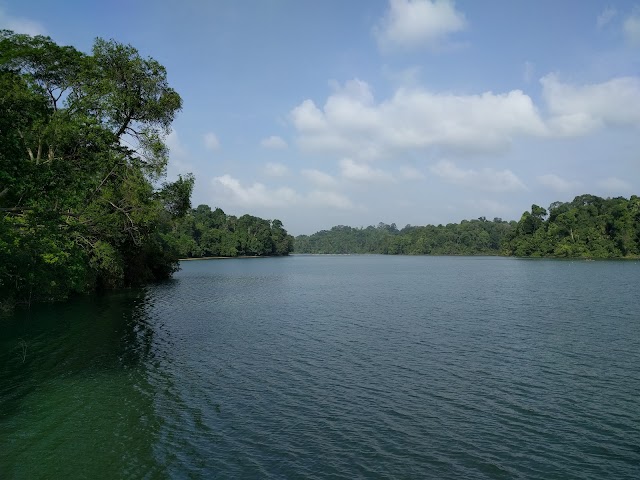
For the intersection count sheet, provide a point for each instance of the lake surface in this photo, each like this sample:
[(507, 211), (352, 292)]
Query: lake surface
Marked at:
[(335, 367)]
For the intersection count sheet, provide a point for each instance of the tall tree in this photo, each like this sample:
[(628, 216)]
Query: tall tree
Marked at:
[(81, 153)]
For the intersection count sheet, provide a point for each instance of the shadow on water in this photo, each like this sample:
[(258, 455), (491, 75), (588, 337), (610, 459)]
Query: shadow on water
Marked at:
[(74, 395)]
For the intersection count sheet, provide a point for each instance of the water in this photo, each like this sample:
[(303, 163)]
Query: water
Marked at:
[(332, 367)]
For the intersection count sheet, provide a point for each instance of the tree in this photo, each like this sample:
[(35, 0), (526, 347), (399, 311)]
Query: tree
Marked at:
[(81, 150)]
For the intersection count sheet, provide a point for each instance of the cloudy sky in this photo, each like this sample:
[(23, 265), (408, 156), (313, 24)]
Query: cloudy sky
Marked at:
[(331, 112)]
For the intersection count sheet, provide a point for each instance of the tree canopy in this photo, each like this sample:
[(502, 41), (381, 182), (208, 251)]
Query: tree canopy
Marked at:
[(81, 153), (587, 227), (469, 237), (203, 232)]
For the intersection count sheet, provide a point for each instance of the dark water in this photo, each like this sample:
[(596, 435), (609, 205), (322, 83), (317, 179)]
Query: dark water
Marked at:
[(333, 367)]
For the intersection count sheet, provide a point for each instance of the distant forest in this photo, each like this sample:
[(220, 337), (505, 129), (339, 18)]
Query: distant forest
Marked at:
[(203, 232), (587, 227)]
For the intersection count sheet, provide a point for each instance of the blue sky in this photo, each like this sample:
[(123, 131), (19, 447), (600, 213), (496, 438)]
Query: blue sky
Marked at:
[(331, 112)]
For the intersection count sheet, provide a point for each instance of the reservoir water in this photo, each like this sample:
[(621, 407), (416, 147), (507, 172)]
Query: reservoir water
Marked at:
[(332, 367)]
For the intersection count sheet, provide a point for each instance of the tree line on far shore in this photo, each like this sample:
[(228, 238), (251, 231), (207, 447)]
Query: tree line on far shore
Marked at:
[(587, 227), (203, 232)]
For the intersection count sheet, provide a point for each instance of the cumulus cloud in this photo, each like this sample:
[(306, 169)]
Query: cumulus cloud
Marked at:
[(259, 195), (320, 179), (327, 198), (554, 182), (410, 24), (211, 141), (273, 142), (20, 25), (486, 179), (353, 124), (410, 173), (254, 195), (273, 169), (631, 28), (579, 109), (179, 157), (361, 172), (605, 17), (614, 185)]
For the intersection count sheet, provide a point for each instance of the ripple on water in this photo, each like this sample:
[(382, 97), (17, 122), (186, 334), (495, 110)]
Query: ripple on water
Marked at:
[(335, 367)]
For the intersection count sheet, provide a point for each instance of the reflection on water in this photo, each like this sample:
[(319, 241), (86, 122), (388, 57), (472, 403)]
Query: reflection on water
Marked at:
[(332, 367), (74, 396)]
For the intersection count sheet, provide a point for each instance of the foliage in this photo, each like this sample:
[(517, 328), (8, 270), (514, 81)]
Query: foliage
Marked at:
[(587, 227), (474, 237), (206, 233), (81, 151)]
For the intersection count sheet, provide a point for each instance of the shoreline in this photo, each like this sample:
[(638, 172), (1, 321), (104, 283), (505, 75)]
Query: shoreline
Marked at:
[(223, 258)]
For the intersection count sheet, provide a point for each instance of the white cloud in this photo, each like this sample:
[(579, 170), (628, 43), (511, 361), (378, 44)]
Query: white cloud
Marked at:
[(486, 179), (418, 23), (211, 141), (361, 172), (631, 28), (274, 142), (327, 198), (578, 110), (255, 195), (605, 17), (273, 169), (179, 157), (175, 145), (259, 195), (353, 124), (411, 173), (320, 179), (20, 25), (554, 182), (614, 185)]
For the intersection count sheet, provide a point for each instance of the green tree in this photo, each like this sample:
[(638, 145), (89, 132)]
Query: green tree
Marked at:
[(79, 209)]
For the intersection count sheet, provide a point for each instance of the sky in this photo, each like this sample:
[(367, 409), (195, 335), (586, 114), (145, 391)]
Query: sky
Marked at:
[(334, 112)]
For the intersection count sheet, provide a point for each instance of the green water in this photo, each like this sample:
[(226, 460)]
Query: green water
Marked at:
[(332, 367)]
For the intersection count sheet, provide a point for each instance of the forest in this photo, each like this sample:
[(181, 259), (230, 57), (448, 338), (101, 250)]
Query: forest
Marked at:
[(587, 227), (203, 232), (83, 201)]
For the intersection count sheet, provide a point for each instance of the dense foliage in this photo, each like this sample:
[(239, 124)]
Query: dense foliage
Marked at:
[(81, 155), (474, 237), (206, 233), (587, 227)]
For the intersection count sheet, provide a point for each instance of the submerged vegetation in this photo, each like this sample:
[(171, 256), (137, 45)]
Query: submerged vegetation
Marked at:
[(587, 227), (82, 157)]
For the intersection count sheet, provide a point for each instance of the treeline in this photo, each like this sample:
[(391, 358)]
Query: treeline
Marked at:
[(203, 232), (82, 158), (469, 237), (587, 227)]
